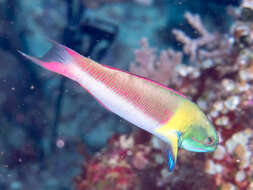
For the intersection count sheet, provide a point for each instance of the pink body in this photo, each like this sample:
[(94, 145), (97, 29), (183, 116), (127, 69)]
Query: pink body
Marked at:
[(142, 102)]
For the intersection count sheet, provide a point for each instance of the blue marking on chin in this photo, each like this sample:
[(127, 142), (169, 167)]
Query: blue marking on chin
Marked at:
[(171, 161)]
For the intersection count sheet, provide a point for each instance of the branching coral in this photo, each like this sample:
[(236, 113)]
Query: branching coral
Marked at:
[(192, 46), (208, 45), (148, 64)]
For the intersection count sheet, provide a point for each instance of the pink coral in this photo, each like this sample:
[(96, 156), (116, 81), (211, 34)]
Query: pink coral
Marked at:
[(148, 64), (134, 162), (116, 167), (223, 91)]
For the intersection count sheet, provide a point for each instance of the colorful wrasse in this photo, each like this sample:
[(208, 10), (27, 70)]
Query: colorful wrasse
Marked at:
[(155, 108)]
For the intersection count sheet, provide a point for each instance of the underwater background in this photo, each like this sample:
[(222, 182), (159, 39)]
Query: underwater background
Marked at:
[(55, 136)]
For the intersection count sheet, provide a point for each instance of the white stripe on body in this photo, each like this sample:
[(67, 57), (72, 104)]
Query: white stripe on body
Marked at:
[(114, 102)]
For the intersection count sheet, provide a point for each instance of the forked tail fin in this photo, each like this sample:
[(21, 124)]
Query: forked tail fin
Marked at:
[(58, 59)]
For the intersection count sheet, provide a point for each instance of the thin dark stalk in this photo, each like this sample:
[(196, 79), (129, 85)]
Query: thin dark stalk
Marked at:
[(69, 36)]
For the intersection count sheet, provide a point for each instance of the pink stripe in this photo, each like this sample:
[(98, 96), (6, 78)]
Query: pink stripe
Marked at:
[(176, 92), (117, 81)]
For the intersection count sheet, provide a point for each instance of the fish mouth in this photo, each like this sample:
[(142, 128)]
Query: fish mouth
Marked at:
[(212, 146), (195, 149)]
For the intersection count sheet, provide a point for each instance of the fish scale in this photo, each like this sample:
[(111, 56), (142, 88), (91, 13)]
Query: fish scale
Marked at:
[(155, 103)]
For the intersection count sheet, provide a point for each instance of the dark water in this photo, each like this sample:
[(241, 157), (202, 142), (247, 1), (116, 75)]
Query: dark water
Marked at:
[(55, 136)]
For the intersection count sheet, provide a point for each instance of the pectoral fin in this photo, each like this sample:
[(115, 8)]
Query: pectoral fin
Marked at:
[(169, 146)]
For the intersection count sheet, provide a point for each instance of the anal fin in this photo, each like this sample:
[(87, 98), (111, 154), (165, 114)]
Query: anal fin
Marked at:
[(169, 146)]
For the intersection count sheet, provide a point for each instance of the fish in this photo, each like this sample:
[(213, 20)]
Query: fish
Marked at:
[(165, 113)]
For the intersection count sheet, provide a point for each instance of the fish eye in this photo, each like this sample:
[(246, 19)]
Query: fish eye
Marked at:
[(209, 140)]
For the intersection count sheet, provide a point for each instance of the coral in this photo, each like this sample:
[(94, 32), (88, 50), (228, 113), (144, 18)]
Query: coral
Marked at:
[(135, 162), (225, 94), (148, 64), (247, 9), (192, 46), (218, 78), (116, 167), (232, 161)]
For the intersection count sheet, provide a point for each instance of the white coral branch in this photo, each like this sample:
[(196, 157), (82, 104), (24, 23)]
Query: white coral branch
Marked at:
[(191, 46)]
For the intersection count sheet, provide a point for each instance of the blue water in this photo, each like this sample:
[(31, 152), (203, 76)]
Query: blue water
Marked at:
[(51, 128)]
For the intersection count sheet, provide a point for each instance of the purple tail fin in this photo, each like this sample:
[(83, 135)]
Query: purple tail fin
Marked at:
[(57, 59)]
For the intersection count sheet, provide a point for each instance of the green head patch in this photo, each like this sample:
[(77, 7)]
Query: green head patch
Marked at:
[(200, 138)]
